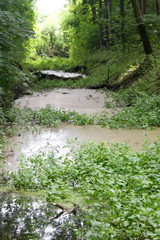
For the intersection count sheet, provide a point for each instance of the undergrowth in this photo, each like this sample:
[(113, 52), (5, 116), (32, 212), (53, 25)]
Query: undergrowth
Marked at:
[(47, 63), (119, 187), (47, 84), (143, 113)]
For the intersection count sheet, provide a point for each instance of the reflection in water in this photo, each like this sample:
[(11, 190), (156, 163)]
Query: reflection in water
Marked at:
[(24, 218)]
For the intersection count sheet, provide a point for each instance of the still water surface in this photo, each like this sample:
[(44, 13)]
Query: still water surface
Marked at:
[(31, 142)]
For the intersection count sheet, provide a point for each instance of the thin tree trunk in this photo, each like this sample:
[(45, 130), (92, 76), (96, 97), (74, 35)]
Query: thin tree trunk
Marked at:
[(158, 14), (141, 28), (94, 17), (93, 9), (144, 6), (84, 8), (101, 29), (107, 16), (122, 23), (141, 5), (158, 7)]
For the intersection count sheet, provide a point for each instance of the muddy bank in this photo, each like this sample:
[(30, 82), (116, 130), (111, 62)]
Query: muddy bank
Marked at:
[(30, 142)]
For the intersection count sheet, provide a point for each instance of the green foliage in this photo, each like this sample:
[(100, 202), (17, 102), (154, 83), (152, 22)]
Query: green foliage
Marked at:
[(16, 18), (48, 42), (36, 172), (143, 113), (119, 187), (47, 63), (50, 117), (80, 33)]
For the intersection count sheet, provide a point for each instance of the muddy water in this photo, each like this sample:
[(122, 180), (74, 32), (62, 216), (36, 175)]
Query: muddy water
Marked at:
[(28, 143), (80, 100)]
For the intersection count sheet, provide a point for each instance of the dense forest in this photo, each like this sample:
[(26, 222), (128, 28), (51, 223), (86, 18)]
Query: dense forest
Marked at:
[(116, 44)]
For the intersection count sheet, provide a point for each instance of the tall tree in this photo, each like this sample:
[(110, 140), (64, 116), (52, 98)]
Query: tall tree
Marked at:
[(122, 13), (141, 27), (101, 25), (107, 17), (158, 7), (142, 5), (93, 9)]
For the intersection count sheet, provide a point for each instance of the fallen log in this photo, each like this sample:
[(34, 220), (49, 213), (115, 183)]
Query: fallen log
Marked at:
[(54, 75), (66, 210)]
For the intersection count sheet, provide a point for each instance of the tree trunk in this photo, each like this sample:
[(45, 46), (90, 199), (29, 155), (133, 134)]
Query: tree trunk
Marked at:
[(158, 7), (141, 5), (84, 7), (93, 9), (141, 28), (101, 29), (107, 17), (122, 23), (144, 6), (158, 14)]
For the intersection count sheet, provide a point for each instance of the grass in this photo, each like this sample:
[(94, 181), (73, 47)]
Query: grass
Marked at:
[(120, 188)]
